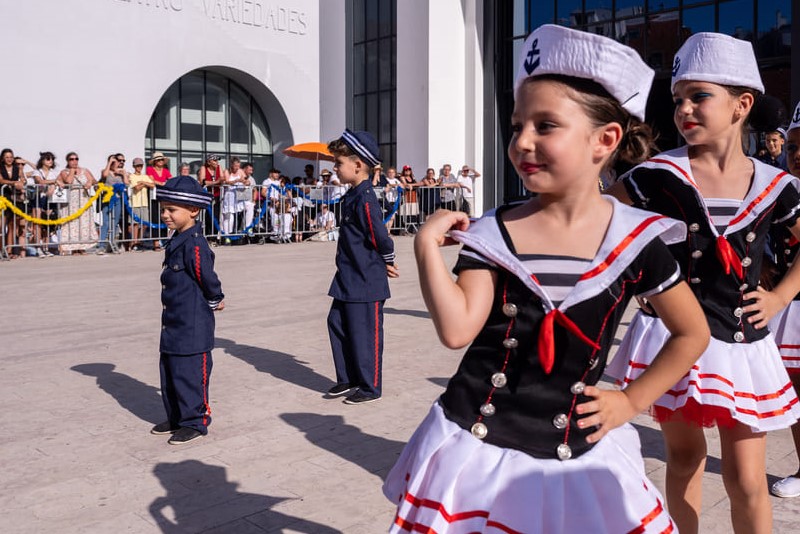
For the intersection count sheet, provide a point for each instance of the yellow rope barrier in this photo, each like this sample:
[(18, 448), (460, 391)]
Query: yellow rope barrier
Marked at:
[(102, 189)]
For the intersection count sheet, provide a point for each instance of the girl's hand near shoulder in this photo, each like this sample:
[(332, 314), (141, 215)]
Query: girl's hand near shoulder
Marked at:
[(438, 225)]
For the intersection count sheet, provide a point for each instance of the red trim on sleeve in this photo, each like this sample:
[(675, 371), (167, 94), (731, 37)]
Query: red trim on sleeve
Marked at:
[(197, 265), (369, 222)]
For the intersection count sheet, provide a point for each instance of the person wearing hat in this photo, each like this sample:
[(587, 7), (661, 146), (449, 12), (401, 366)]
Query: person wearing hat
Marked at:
[(729, 202), (773, 143), (364, 260), (212, 177), (140, 187), (785, 326), (522, 440), (160, 173), (191, 293)]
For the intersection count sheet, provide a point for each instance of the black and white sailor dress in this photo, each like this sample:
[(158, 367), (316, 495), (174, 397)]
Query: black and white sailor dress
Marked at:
[(740, 377), (500, 451), (785, 326)]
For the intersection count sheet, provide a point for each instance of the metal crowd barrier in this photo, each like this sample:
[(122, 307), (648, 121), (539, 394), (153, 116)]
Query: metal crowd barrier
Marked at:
[(255, 214)]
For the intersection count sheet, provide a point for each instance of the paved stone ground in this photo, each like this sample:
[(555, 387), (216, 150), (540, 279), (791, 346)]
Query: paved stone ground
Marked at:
[(79, 391)]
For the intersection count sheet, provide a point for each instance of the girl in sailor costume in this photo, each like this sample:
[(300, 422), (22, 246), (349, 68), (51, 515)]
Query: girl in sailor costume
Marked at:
[(785, 326), (728, 202), (522, 440)]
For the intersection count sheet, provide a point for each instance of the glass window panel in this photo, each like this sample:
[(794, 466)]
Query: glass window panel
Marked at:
[(165, 120), (372, 19), (148, 137), (262, 140), (386, 122), (661, 5), (394, 62), (517, 46), (632, 33), (541, 13), (172, 161), (261, 167), (195, 161), (385, 64), (192, 91), (359, 112), (239, 120), (359, 64), (569, 13), (774, 28), (372, 66), (386, 16), (216, 113), (598, 10), (359, 21), (698, 19), (520, 9), (663, 40), (372, 113), (735, 19)]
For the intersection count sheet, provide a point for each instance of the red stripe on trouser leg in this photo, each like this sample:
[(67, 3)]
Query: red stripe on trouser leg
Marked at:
[(206, 407), (377, 345)]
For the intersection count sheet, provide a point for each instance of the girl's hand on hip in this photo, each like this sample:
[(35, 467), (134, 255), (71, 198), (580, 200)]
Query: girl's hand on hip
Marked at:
[(608, 410)]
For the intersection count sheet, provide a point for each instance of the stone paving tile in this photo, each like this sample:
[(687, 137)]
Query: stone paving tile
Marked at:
[(79, 386)]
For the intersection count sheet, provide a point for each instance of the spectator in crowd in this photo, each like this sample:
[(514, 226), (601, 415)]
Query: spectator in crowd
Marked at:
[(231, 186), (409, 210), (141, 187), (427, 193), (79, 234), (114, 173), (270, 193), (246, 203), (12, 185), (324, 178), (775, 155), (449, 184), (211, 177), (390, 196), (44, 177), (378, 178), (308, 170), (160, 173), (467, 182), (184, 169)]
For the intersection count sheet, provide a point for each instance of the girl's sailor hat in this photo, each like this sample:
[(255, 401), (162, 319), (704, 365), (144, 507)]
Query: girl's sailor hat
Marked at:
[(552, 49), (184, 190), (717, 58), (795, 120)]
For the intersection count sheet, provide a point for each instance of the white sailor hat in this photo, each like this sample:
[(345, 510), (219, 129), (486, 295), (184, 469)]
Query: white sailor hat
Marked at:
[(717, 58), (184, 190), (552, 49), (795, 120)]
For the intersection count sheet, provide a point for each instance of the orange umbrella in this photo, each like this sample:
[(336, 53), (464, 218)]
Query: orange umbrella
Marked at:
[(310, 151)]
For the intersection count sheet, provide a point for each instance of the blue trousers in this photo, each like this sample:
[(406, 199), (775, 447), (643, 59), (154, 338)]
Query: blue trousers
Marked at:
[(112, 216), (184, 389), (356, 333)]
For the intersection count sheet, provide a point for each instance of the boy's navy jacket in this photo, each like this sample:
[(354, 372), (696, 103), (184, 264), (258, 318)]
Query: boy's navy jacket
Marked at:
[(364, 249), (190, 291)]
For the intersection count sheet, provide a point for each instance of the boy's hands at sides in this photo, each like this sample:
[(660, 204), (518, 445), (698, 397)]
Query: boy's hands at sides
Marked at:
[(392, 271), (220, 306)]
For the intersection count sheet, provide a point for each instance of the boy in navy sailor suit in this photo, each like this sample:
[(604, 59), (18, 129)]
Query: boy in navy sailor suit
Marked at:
[(190, 294), (364, 259)]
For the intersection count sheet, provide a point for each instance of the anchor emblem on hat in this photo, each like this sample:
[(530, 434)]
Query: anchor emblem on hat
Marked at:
[(796, 115), (532, 59), (676, 66)]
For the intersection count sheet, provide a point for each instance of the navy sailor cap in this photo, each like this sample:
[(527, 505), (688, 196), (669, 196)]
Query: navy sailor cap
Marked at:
[(364, 145), (184, 190)]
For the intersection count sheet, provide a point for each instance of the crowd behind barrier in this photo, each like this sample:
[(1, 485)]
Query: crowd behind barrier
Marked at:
[(47, 219)]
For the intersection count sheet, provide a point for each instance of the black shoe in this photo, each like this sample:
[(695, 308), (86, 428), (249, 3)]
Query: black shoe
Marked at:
[(360, 398), (164, 428), (183, 435), (340, 389)]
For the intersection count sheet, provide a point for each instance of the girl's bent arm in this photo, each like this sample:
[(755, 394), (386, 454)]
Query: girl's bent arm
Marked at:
[(681, 313), (459, 309)]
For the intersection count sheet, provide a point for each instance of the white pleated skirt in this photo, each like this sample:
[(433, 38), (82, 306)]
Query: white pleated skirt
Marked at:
[(785, 326), (447, 481), (729, 383)]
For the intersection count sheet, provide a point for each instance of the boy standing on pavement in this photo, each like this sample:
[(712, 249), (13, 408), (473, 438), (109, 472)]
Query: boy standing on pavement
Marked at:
[(364, 259), (190, 294)]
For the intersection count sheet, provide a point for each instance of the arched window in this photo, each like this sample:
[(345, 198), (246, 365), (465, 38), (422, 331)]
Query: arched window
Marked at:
[(206, 113)]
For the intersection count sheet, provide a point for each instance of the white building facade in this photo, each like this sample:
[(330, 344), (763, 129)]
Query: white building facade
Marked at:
[(232, 77)]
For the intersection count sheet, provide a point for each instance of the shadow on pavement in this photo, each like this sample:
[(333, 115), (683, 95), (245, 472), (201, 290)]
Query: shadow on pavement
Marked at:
[(374, 454), (439, 380), (653, 447), (278, 364), (413, 313), (200, 499), (142, 400)]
